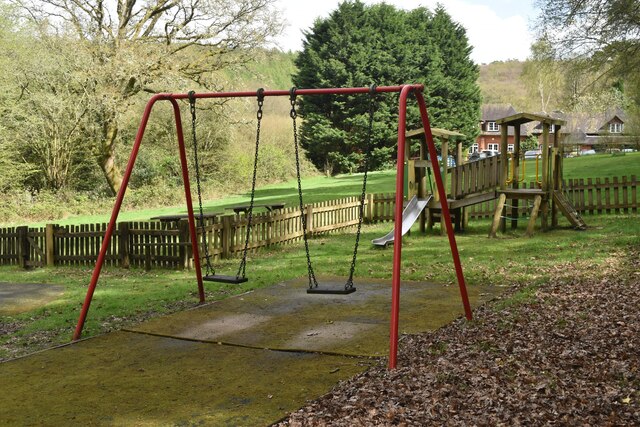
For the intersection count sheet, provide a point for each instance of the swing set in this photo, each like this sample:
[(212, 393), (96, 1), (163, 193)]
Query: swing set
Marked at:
[(240, 277)]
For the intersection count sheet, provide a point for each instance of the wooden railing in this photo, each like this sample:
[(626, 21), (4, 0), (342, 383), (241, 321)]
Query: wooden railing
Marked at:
[(474, 177), (153, 243)]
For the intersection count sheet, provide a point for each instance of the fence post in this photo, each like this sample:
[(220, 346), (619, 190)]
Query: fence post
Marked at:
[(370, 208), (23, 246), (123, 244), (309, 219), (184, 239), (226, 236), (49, 244)]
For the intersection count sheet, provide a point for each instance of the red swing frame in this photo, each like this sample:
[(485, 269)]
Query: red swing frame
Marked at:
[(404, 90)]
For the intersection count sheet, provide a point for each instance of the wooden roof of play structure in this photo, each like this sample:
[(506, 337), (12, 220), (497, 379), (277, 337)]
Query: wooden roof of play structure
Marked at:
[(441, 133), (521, 118)]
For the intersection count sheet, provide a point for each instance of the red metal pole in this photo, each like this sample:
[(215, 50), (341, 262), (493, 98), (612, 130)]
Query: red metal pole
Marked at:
[(397, 233), (433, 155), (118, 204), (187, 194), (324, 91)]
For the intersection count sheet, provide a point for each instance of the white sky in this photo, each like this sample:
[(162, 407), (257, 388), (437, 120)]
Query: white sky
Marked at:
[(497, 29)]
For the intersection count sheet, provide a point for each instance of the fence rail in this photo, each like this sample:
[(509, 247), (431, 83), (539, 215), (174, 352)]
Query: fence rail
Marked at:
[(167, 244)]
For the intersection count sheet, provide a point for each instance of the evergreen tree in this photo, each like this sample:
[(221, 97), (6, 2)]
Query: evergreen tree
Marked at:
[(360, 45)]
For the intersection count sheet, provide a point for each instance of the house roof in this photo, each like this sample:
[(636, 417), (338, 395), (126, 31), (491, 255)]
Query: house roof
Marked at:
[(493, 112), (585, 122), (522, 118)]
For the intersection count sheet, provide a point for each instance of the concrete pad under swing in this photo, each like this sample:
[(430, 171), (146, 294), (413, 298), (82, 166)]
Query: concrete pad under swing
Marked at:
[(125, 378), (284, 316), (172, 371)]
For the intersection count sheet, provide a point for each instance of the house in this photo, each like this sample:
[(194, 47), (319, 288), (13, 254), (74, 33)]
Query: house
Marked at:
[(592, 131), (489, 138)]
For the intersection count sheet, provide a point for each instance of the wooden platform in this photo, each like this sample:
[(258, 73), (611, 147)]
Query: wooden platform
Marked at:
[(523, 193)]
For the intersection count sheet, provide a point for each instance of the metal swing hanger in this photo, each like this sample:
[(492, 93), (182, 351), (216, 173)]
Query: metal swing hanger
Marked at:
[(313, 282), (211, 275)]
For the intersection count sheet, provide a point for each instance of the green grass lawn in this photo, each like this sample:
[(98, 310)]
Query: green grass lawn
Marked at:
[(316, 189), (321, 188), (124, 296), (594, 166)]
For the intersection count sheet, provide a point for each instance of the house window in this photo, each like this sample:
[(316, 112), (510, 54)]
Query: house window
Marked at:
[(509, 148), (493, 127), (615, 127), (552, 128), (493, 147), (473, 148)]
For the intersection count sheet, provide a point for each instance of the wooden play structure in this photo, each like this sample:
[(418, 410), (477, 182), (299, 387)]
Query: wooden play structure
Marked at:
[(494, 178), (548, 197)]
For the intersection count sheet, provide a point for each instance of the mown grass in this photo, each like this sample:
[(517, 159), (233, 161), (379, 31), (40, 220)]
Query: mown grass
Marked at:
[(124, 296), (320, 188), (595, 166)]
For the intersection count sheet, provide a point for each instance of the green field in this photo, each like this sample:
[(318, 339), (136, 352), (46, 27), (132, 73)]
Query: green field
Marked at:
[(321, 188), (124, 297)]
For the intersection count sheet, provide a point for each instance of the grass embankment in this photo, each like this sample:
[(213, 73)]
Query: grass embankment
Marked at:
[(124, 297)]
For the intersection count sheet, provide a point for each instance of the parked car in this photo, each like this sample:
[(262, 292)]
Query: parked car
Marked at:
[(532, 154), (477, 156), (491, 153), (451, 161), (628, 150), (587, 152)]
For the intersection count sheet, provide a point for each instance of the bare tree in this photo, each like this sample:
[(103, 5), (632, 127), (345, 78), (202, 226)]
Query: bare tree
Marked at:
[(135, 46), (605, 31), (543, 75)]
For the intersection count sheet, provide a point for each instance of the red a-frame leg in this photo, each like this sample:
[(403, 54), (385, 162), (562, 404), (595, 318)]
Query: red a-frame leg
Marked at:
[(397, 238), (118, 204)]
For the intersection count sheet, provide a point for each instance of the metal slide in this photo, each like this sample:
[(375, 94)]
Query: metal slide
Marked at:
[(409, 215)]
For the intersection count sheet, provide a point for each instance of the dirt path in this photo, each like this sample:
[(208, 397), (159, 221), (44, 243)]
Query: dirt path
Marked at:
[(566, 353)]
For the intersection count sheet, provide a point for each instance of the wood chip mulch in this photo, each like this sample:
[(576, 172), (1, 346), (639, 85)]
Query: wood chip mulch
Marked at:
[(569, 354)]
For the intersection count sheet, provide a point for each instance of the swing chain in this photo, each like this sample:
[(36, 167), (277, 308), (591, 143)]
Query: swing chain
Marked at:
[(363, 195), (192, 108), (243, 263), (303, 218)]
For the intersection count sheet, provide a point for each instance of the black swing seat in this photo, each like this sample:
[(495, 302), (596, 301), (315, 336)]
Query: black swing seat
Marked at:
[(338, 290), (224, 279)]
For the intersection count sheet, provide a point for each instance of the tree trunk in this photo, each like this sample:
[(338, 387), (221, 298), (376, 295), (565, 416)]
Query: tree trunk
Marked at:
[(107, 156)]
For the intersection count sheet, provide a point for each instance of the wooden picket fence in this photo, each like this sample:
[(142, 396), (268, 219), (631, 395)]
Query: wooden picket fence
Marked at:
[(167, 244)]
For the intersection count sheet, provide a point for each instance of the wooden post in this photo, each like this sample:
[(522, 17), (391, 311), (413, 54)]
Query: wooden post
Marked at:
[(504, 169), (516, 174), (49, 241), (370, 208), (496, 215), (23, 246), (545, 174), (556, 173), (184, 239), (123, 244), (534, 215), (226, 236), (412, 182), (309, 218), (445, 165)]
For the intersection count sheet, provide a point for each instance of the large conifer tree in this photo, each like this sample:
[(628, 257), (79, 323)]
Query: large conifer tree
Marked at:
[(359, 45)]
